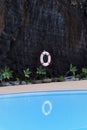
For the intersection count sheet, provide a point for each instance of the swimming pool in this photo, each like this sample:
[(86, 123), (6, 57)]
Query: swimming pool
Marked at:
[(53, 110)]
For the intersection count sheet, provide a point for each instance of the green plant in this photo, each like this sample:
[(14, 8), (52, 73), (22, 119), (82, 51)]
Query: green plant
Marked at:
[(84, 72), (41, 71), (78, 76), (73, 70), (27, 73), (18, 79), (6, 74), (61, 78)]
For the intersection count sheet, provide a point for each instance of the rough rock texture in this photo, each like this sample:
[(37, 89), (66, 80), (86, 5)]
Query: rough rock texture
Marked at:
[(27, 27)]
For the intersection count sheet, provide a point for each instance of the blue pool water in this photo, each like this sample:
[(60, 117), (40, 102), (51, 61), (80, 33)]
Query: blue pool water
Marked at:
[(60, 110)]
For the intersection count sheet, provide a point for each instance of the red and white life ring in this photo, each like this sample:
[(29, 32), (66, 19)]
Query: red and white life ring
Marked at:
[(45, 53)]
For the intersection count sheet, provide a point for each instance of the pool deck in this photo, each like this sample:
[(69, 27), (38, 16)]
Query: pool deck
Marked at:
[(71, 85)]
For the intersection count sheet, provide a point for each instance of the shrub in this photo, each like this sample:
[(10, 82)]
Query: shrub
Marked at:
[(41, 71), (6, 73), (84, 72), (27, 74), (73, 70)]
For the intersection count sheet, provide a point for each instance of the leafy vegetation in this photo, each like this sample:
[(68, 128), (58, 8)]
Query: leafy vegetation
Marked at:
[(6, 74), (73, 70), (27, 74), (41, 72), (61, 78), (84, 72)]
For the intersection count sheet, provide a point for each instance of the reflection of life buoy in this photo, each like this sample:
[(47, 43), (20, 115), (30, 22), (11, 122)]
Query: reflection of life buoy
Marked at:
[(45, 53), (45, 104)]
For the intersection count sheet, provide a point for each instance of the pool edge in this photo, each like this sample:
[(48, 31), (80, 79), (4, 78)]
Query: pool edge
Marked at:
[(71, 85)]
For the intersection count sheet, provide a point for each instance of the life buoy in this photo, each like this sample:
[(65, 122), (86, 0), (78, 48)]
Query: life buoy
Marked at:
[(42, 58)]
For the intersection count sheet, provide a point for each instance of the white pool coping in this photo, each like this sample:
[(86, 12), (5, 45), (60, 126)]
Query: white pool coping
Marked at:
[(71, 85)]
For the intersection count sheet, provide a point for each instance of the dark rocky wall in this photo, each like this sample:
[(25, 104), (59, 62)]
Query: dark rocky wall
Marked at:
[(27, 27)]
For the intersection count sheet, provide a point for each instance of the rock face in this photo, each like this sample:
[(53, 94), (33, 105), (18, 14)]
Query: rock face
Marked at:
[(27, 27)]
